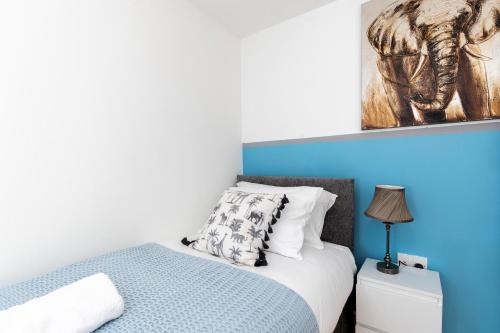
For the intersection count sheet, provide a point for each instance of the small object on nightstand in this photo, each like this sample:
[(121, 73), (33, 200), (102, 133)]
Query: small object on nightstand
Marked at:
[(410, 302), (389, 206)]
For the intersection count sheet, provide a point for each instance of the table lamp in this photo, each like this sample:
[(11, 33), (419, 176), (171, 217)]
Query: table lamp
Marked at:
[(389, 206)]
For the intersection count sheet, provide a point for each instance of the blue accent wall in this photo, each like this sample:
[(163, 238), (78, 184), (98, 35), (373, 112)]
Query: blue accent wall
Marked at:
[(453, 192)]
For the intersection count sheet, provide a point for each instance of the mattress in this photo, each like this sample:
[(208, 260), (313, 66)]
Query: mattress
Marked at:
[(323, 278)]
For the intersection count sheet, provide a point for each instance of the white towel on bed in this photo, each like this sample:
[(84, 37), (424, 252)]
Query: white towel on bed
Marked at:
[(80, 307)]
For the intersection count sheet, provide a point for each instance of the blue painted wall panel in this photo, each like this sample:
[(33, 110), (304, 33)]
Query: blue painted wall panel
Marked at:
[(453, 191)]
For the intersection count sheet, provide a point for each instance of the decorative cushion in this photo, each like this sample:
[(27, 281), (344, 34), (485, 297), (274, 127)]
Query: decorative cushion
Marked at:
[(238, 227)]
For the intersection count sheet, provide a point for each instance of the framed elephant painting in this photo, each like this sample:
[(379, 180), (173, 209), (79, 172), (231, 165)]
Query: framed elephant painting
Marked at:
[(430, 61)]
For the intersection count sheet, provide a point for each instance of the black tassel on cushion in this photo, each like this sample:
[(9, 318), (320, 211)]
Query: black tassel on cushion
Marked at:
[(262, 259), (273, 221), (270, 230), (278, 214), (262, 255), (285, 200), (264, 245), (260, 262), (266, 236), (186, 242)]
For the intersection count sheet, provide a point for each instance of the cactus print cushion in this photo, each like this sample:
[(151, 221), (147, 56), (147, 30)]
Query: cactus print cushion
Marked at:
[(239, 226)]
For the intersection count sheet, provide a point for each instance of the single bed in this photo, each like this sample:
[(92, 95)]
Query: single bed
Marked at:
[(169, 287)]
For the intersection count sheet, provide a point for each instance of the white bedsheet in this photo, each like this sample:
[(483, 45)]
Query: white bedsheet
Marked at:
[(324, 278)]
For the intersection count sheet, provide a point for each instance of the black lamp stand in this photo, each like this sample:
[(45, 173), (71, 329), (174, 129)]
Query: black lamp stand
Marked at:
[(387, 266)]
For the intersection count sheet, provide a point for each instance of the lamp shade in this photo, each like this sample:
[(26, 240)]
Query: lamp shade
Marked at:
[(389, 205)]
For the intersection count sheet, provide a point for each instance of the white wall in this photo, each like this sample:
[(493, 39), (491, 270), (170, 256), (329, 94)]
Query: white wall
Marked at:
[(119, 124), (301, 78)]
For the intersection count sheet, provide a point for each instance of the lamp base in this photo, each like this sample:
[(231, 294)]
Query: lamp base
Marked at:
[(393, 268)]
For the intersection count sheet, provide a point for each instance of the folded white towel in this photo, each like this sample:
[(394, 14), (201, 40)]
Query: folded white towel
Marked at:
[(80, 307)]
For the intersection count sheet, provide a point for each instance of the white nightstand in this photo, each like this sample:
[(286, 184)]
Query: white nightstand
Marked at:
[(409, 302)]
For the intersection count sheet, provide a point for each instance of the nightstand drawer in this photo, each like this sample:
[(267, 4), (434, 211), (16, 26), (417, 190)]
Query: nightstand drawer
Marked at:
[(393, 310)]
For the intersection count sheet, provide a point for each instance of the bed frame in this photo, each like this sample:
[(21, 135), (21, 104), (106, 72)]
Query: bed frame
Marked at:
[(339, 222)]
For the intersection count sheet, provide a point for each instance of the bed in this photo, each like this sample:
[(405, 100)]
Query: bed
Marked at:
[(168, 287)]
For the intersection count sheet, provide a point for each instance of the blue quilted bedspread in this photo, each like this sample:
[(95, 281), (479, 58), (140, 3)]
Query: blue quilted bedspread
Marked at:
[(167, 291)]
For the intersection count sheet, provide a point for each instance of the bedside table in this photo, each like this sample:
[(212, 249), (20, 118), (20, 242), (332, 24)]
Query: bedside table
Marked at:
[(409, 302)]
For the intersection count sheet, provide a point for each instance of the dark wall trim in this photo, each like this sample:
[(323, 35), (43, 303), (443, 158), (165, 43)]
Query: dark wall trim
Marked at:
[(491, 125)]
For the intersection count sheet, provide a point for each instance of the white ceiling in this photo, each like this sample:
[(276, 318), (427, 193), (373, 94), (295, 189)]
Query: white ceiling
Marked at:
[(245, 17)]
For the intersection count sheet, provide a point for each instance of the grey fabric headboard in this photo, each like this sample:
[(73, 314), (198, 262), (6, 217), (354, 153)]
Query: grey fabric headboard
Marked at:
[(339, 221)]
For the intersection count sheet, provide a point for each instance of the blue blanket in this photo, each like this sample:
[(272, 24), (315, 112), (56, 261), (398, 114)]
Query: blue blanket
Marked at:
[(167, 291)]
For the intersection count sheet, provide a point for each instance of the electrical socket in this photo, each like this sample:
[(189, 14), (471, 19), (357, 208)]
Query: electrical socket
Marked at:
[(411, 260)]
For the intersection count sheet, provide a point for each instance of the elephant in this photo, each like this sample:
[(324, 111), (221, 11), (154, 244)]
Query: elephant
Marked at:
[(428, 50)]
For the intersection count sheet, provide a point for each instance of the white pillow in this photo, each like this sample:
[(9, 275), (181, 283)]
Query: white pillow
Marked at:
[(288, 236), (314, 226)]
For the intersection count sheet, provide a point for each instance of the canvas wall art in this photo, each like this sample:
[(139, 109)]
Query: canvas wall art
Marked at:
[(430, 61)]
